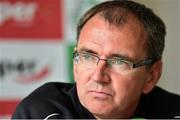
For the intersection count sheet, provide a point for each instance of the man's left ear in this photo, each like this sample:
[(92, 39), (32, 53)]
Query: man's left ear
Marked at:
[(155, 74)]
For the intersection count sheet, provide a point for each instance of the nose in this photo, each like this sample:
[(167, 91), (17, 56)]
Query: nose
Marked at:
[(100, 73)]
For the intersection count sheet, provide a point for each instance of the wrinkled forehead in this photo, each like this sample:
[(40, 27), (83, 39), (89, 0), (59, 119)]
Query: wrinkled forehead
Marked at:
[(127, 21), (128, 37)]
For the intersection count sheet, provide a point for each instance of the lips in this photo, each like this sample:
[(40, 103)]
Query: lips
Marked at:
[(100, 94), (98, 90)]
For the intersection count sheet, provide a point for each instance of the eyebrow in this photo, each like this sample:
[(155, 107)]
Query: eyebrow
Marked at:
[(115, 55), (125, 57), (87, 50)]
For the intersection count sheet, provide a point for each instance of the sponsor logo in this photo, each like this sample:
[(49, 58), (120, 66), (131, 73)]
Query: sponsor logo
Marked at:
[(19, 12), (23, 71), (31, 19)]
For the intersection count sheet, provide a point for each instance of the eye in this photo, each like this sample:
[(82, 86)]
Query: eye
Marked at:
[(87, 57), (115, 61), (118, 61)]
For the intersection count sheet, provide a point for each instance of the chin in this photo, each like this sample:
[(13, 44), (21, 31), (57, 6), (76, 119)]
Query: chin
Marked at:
[(100, 110)]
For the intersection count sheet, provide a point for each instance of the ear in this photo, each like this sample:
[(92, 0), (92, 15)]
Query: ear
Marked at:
[(155, 74), (75, 71)]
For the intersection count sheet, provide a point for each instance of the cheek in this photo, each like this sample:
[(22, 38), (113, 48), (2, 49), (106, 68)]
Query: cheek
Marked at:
[(82, 78), (127, 87), (82, 75), (131, 80)]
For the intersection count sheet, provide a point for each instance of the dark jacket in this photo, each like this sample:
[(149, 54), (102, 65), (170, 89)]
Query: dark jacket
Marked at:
[(59, 100)]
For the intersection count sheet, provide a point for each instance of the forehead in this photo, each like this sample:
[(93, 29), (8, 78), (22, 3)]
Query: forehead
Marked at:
[(105, 39)]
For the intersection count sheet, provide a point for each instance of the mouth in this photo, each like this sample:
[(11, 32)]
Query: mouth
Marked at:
[(100, 94)]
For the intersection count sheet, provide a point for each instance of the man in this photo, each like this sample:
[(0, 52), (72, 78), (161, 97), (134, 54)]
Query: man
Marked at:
[(117, 63)]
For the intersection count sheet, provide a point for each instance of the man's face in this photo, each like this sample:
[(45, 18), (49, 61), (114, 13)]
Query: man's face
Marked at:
[(105, 93)]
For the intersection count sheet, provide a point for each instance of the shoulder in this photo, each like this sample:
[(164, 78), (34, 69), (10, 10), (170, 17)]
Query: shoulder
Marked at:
[(160, 103), (161, 96), (46, 100), (50, 91), (52, 88)]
